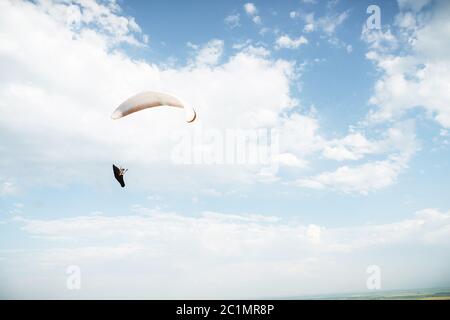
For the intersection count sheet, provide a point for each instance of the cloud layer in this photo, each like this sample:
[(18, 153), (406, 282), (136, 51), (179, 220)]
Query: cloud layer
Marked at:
[(155, 254)]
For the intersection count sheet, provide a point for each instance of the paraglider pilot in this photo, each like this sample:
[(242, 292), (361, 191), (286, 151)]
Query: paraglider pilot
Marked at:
[(119, 172)]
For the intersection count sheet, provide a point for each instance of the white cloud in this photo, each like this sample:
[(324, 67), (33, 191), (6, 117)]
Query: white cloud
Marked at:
[(418, 78), (355, 146), (286, 42), (233, 20), (293, 14), (299, 134), (167, 255), (314, 232), (398, 142), (309, 22), (257, 51), (251, 49), (361, 179), (7, 188), (290, 160), (106, 16), (252, 12), (415, 5), (379, 40), (210, 53), (212, 192), (256, 19), (309, 27), (352, 147), (266, 30), (192, 45), (327, 23), (250, 9)]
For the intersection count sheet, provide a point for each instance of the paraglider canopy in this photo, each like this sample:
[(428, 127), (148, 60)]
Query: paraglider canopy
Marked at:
[(150, 99), (118, 174)]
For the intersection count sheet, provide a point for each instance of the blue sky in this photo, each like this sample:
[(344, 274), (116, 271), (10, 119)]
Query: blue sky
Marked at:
[(362, 162)]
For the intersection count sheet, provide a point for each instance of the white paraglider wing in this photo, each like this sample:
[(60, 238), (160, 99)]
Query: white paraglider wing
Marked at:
[(151, 99)]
